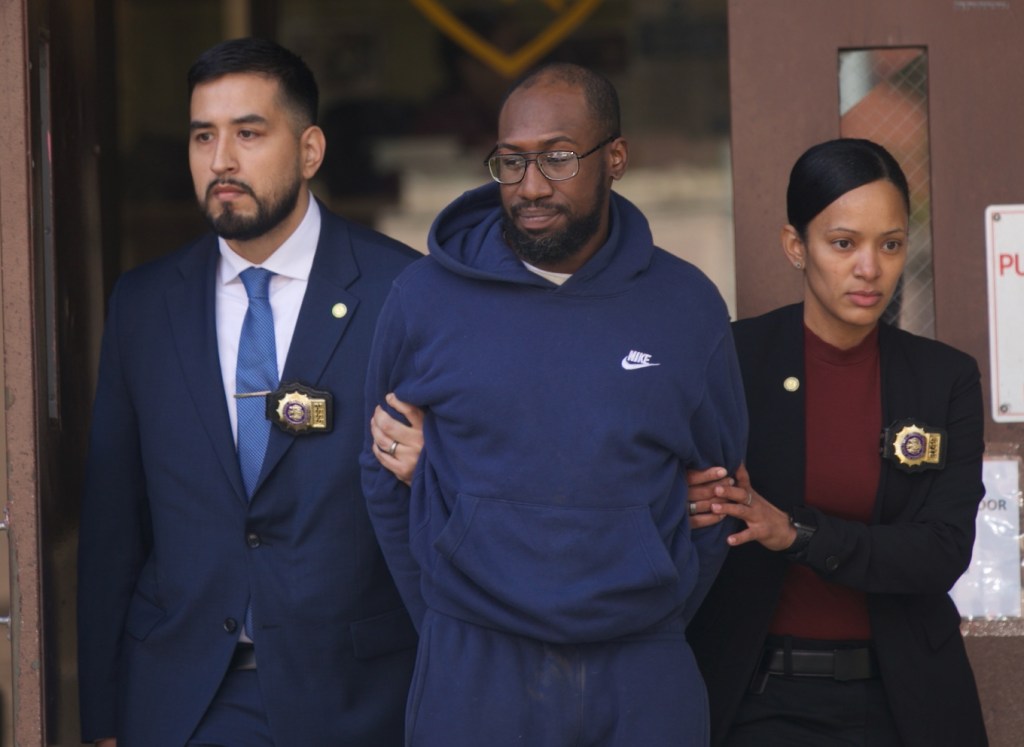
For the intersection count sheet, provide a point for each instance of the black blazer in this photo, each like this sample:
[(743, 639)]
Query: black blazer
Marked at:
[(918, 542), (170, 546)]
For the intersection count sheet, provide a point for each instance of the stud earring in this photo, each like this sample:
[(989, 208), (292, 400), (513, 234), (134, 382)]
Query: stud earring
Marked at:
[(798, 265)]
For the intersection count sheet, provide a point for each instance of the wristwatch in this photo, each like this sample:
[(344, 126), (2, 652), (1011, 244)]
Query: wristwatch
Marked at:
[(803, 521)]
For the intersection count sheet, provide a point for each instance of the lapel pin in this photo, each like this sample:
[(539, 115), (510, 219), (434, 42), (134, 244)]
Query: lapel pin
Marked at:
[(791, 384), (339, 310)]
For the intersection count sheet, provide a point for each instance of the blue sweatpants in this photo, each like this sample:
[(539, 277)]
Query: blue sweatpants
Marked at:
[(475, 686)]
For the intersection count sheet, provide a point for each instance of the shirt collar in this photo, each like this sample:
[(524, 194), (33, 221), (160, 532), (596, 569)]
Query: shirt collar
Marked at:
[(293, 259), (558, 278)]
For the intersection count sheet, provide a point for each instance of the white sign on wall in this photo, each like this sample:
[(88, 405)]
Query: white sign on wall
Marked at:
[(1004, 235), (991, 587)]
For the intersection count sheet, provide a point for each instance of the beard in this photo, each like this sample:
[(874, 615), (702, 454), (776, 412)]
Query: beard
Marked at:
[(557, 247), (233, 225)]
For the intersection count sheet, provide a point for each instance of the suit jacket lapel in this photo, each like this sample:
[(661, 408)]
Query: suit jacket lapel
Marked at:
[(772, 353), (899, 385), (191, 309), (327, 309), (900, 390), (792, 424)]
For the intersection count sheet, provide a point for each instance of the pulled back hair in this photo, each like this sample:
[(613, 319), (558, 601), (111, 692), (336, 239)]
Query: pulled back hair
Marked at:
[(827, 171), (261, 57), (600, 94)]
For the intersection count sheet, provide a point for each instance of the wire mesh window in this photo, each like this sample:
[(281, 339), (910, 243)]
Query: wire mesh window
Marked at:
[(883, 96)]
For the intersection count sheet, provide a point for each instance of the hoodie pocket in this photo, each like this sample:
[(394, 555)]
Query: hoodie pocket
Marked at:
[(597, 569)]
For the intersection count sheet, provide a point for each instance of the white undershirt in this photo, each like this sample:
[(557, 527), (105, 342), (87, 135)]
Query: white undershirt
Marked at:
[(291, 263), (555, 277)]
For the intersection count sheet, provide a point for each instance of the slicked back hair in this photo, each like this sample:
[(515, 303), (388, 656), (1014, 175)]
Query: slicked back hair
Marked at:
[(827, 171), (600, 94), (261, 57)]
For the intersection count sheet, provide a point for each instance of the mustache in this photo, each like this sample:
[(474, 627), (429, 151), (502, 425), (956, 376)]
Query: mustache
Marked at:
[(516, 210), (229, 182)]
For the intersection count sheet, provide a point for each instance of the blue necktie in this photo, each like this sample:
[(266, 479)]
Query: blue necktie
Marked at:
[(256, 372)]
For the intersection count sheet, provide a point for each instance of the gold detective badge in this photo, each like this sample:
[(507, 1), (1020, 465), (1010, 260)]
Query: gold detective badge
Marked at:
[(912, 446), (300, 410)]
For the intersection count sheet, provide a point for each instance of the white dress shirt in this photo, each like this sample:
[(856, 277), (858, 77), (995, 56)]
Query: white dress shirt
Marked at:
[(291, 265)]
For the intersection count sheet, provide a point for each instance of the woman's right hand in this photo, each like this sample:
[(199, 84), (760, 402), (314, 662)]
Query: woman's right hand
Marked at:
[(766, 522)]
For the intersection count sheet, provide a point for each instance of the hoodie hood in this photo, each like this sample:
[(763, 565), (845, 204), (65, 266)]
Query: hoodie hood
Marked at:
[(466, 238)]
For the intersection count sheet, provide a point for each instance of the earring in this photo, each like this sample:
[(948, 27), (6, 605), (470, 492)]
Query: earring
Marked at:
[(798, 265)]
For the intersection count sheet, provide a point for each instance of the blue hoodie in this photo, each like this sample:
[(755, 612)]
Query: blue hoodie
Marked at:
[(551, 498)]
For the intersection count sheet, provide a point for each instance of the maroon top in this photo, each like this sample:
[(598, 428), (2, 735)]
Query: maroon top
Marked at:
[(842, 392)]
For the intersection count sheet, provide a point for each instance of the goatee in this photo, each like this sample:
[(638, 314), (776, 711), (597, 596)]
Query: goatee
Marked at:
[(232, 225), (551, 248)]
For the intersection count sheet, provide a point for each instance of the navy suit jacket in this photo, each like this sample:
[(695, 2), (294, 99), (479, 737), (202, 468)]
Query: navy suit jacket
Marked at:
[(170, 548), (906, 560)]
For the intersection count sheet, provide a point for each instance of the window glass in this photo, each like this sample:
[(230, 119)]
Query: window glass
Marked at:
[(883, 96)]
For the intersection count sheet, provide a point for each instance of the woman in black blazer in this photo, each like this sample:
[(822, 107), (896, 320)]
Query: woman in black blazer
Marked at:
[(830, 622)]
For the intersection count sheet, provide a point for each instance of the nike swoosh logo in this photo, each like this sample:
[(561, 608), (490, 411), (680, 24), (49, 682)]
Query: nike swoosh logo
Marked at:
[(632, 366)]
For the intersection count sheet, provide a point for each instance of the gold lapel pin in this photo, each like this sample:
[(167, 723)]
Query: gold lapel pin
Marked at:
[(339, 310), (791, 384)]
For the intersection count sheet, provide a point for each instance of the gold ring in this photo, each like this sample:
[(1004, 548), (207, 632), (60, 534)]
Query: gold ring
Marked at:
[(750, 498), (392, 448)]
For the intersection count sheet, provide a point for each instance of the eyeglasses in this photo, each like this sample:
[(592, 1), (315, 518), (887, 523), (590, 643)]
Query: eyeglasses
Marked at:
[(555, 165)]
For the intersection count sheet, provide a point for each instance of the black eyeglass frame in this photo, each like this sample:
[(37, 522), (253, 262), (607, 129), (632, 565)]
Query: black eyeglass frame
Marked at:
[(537, 154)]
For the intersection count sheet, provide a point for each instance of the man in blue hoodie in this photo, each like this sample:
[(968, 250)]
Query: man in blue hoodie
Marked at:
[(569, 372)]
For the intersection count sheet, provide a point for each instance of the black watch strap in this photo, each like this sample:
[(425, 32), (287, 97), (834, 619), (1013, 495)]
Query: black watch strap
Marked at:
[(802, 522)]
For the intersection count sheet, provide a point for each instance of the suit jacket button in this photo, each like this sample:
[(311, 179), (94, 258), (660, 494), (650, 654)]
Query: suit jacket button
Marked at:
[(831, 562), (230, 625), (253, 540)]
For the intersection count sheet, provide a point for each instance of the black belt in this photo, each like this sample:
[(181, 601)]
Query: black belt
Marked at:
[(844, 664), (243, 658)]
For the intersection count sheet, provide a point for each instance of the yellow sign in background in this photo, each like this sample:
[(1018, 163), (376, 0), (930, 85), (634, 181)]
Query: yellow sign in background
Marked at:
[(568, 16)]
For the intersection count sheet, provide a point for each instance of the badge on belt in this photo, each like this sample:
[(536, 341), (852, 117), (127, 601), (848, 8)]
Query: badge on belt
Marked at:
[(298, 409), (913, 446)]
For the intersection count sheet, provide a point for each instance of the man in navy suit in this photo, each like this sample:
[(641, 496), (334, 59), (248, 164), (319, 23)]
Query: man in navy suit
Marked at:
[(215, 610)]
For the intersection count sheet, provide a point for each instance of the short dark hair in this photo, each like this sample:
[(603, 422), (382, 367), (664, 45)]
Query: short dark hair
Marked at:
[(262, 57), (827, 171), (600, 94)]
